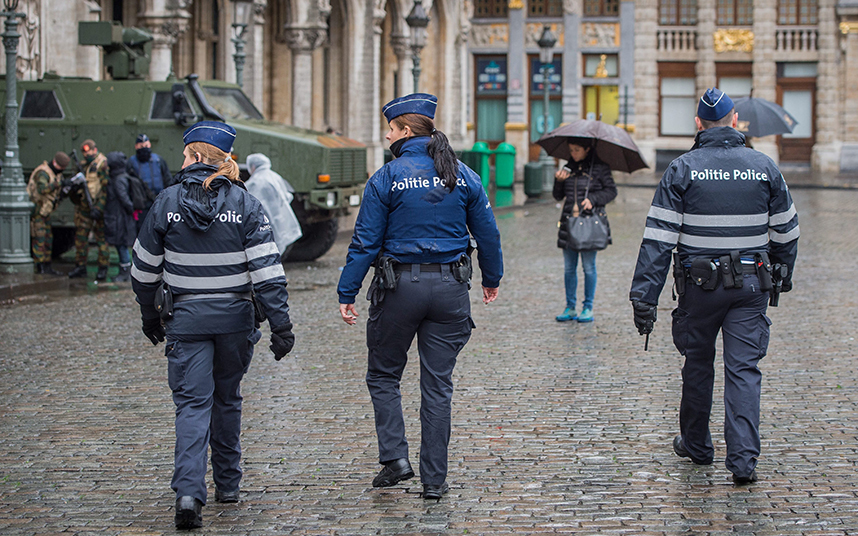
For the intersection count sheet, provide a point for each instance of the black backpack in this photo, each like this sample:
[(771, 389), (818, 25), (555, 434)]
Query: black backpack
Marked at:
[(141, 195)]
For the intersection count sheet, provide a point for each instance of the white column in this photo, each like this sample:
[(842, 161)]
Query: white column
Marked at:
[(302, 42), (254, 67), (166, 20)]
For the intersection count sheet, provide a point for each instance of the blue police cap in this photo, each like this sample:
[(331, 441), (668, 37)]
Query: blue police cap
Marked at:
[(714, 104), (141, 138), (214, 133), (416, 103)]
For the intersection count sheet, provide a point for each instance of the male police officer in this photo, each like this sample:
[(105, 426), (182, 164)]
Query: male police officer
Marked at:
[(44, 189), (727, 210), (151, 169)]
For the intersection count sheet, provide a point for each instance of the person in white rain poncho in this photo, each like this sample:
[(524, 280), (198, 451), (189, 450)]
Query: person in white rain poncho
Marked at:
[(270, 188)]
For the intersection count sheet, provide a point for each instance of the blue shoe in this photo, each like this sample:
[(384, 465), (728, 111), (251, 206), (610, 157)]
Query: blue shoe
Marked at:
[(568, 314), (586, 315)]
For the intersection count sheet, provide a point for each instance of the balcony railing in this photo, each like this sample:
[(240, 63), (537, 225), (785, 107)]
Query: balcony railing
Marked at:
[(797, 38), (677, 38)]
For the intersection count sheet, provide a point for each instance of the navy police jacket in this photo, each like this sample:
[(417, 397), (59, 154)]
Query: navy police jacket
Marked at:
[(408, 214), (719, 197), (208, 242)]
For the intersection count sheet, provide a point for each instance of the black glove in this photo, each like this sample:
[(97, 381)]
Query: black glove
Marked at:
[(153, 329), (95, 214), (282, 340), (786, 286), (66, 182), (644, 316)]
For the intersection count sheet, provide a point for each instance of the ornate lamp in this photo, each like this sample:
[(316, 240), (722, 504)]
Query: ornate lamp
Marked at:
[(240, 21), (15, 204), (417, 20)]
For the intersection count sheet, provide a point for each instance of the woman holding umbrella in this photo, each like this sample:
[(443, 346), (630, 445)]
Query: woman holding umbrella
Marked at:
[(585, 183)]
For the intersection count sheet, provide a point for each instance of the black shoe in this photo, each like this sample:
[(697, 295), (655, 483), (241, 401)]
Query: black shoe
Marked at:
[(226, 496), (79, 271), (679, 449), (745, 479), (123, 275), (435, 492), (393, 472), (101, 274), (189, 513), (44, 268)]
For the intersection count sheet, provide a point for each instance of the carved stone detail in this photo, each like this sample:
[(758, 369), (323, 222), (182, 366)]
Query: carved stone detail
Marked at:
[(305, 39), (29, 46), (733, 40), (486, 35), (600, 35)]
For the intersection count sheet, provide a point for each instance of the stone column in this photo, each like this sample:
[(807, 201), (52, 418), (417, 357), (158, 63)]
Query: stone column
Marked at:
[(571, 72), (764, 69), (254, 73), (166, 20), (646, 78), (705, 45), (302, 42), (627, 62), (518, 78), (848, 33), (401, 45), (826, 150)]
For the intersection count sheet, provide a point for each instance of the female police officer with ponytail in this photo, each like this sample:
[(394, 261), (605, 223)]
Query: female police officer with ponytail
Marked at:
[(204, 245), (415, 218)]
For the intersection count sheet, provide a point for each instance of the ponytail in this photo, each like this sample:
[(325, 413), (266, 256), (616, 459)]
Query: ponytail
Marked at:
[(445, 159), (446, 163), (211, 155)]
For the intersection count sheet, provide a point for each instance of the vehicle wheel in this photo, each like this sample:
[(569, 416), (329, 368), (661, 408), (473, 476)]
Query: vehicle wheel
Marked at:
[(317, 240), (63, 241)]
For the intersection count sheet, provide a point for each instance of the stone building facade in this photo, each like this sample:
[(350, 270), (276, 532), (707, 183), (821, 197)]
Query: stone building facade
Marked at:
[(334, 63)]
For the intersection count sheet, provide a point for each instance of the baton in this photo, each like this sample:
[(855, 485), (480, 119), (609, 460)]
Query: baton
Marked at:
[(646, 343)]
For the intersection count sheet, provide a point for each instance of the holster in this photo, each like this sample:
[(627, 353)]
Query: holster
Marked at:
[(164, 302), (764, 271), (730, 267), (463, 269), (704, 273), (385, 278), (678, 275)]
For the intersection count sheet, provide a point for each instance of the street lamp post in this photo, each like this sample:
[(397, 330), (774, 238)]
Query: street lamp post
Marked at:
[(15, 204), (239, 27), (417, 20), (546, 54)]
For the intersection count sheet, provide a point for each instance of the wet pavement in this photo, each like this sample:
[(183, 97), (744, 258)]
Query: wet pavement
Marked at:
[(557, 428)]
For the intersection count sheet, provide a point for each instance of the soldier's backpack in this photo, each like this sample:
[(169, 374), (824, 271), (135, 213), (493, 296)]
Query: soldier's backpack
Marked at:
[(141, 195)]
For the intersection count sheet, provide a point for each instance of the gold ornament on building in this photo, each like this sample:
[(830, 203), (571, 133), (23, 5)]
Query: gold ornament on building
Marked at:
[(516, 4), (847, 27), (602, 68), (733, 40)]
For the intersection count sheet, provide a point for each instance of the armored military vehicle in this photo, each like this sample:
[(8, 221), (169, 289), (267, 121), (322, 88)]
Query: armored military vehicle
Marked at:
[(326, 172)]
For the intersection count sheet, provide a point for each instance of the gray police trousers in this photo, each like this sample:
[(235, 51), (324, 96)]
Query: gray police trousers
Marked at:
[(436, 308), (204, 373), (740, 315)]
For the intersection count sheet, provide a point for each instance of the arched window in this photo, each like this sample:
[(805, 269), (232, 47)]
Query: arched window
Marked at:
[(677, 12)]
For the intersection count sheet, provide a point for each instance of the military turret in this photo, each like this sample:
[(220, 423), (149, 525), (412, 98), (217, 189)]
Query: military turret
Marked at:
[(326, 172)]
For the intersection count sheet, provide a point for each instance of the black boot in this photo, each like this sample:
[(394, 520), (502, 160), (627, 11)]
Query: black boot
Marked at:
[(189, 513), (101, 274), (45, 269), (79, 271), (123, 276)]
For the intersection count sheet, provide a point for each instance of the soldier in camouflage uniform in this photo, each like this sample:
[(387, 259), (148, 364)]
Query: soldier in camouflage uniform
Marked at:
[(91, 218), (44, 190)]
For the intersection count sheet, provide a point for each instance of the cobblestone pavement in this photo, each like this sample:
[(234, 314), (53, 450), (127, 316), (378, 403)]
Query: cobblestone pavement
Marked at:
[(557, 428)]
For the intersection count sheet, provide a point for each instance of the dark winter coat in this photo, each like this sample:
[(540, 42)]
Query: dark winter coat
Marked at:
[(602, 189), (119, 226)]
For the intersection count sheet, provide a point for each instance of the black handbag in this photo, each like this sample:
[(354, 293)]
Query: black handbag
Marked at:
[(589, 230)]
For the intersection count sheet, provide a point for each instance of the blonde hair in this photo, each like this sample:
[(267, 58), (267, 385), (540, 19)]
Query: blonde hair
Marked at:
[(209, 154)]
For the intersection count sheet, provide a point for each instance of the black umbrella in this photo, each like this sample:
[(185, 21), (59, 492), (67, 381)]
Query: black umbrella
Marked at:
[(614, 146), (759, 117)]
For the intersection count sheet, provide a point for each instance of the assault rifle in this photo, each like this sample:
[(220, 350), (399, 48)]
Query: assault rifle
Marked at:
[(79, 180)]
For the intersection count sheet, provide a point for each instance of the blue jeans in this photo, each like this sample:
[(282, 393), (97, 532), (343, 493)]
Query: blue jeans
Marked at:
[(124, 255), (570, 276)]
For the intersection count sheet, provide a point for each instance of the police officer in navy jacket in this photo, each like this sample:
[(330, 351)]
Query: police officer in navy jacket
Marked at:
[(727, 211), (415, 218), (207, 243)]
